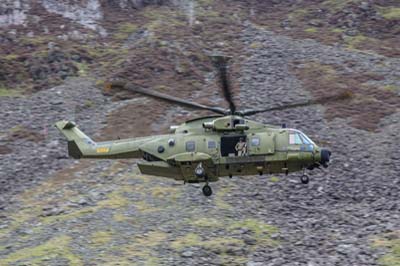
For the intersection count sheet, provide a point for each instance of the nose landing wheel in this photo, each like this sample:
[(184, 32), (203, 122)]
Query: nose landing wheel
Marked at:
[(304, 179), (207, 191)]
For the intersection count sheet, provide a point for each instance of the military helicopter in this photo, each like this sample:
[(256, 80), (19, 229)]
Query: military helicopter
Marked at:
[(206, 148)]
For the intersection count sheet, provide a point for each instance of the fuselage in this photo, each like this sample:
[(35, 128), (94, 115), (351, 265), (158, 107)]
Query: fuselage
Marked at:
[(222, 145)]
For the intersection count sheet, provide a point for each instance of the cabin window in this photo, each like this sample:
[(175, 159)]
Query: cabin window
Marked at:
[(294, 138), (212, 144), (255, 141), (190, 146)]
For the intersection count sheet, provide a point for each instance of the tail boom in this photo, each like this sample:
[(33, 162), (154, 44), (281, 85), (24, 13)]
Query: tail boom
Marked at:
[(81, 146)]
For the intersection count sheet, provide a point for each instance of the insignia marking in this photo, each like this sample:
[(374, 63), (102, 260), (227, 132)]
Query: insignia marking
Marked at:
[(102, 149)]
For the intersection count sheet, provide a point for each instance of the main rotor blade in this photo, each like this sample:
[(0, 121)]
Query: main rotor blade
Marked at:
[(221, 64), (338, 97), (164, 97)]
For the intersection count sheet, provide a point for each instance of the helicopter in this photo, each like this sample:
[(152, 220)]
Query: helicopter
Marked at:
[(207, 148)]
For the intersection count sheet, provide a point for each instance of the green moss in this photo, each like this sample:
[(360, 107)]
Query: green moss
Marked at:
[(232, 261), (164, 192), (89, 104), (101, 237), (355, 41), (255, 45), (221, 244), (11, 57), (57, 247), (141, 247), (390, 13), (115, 200), (337, 30), (188, 240), (220, 202), (4, 92), (337, 5), (144, 207), (311, 30), (205, 2), (392, 88), (20, 218), (298, 14), (392, 244), (68, 216), (82, 69), (206, 222), (36, 41), (119, 217), (124, 30), (218, 244), (274, 179)]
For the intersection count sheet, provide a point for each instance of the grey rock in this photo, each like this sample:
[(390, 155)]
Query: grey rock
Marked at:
[(187, 254)]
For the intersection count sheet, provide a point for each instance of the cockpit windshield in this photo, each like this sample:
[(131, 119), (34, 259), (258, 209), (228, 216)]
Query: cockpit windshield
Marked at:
[(297, 137)]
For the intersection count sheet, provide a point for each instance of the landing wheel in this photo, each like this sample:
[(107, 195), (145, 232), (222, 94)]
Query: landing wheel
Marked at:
[(207, 191), (304, 179), (199, 171)]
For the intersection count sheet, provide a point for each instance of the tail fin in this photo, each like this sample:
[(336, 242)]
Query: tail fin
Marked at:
[(77, 140)]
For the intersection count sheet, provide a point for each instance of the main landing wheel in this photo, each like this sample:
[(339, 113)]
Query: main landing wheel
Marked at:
[(304, 179), (207, 191)]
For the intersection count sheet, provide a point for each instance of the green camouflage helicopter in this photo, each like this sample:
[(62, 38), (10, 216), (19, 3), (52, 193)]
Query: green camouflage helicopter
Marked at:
[(204, 149)]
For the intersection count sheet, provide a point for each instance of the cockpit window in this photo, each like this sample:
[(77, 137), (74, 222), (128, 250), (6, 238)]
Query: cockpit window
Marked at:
[(294, 138), (309, 141), (304, 140), (297, 138)]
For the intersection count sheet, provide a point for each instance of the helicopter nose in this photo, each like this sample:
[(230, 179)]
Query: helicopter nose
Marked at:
[(325, 157)]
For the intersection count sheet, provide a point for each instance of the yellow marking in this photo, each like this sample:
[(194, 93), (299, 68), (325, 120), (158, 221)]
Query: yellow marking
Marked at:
[(102, 150)]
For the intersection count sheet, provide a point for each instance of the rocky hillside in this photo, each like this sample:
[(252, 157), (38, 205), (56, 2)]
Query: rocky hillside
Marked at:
[(54, 58)]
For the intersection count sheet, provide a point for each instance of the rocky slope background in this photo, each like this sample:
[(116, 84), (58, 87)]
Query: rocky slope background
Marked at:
[(54, 59)]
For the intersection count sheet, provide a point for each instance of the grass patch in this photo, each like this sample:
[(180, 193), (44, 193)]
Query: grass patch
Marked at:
[(20, 218), (68, 216), (57, 247), (101, 237), (144, 207), (4, 92), (164, 192), (391, 242), (188, 240), (220, 202), (142, 247), (11, 57), (337, 30), (392, 88), (274, 179), (206, 222), (119, 217), (337, 5), (115, 201), (255, 45), (298, 14), (311, 30), (391, 13), (82, 69), (125, 30), (218, 244), (354, 41)]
